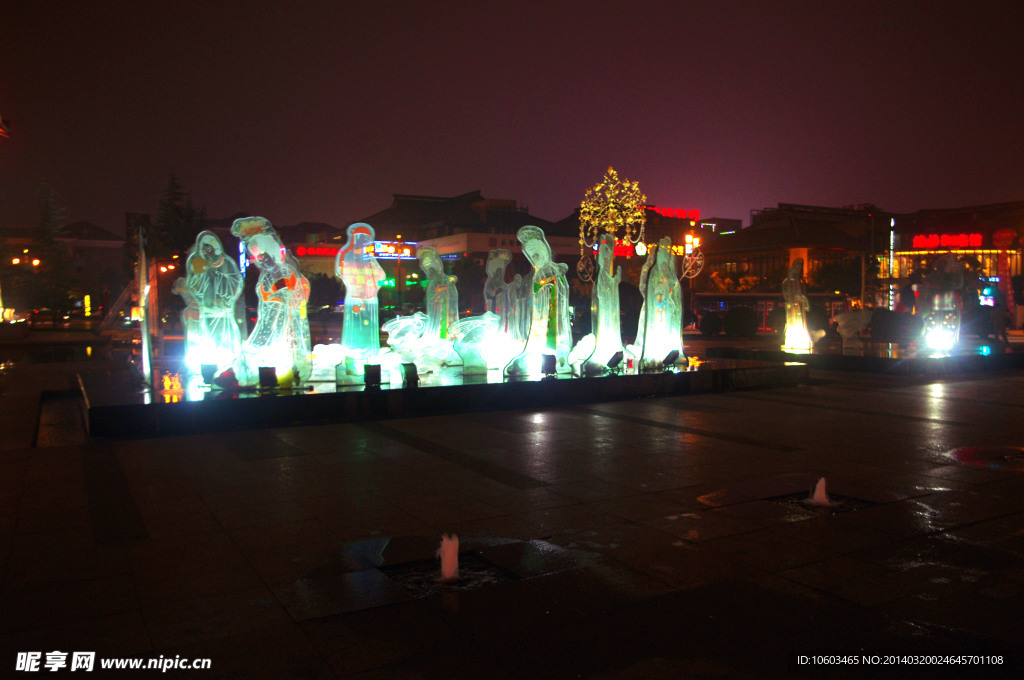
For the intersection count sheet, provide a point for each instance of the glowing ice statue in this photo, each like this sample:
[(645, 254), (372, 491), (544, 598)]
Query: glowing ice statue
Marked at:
[(798, 339), (359, 270), (942, 301), (479, 343), (489, 342), (604, 304), (281, 336), (427, 339), (442, 296), (549, 333), (520, 308), (190, 325), (215, 282), (496, 290), (659, 331)]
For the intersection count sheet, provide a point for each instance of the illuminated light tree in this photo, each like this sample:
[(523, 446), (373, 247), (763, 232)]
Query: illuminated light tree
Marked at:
[(613, 206)]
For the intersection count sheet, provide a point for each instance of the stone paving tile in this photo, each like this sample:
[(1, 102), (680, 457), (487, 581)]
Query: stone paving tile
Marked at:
[(275, 651), (369, 640), (61, 556), (702, 525), (117, 635), (251, 538), (66, 602), (223, 614)]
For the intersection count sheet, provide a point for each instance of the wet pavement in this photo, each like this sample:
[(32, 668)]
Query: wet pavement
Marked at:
[(654, 538)]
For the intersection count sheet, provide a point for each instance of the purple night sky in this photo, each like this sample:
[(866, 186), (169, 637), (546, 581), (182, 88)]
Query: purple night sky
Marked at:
[(319, 111)]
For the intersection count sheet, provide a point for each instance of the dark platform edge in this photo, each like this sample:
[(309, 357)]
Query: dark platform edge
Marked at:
[(220, 414), (949, 365)]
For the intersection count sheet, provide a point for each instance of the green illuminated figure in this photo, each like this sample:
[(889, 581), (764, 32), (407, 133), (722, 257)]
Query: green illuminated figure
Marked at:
[(659, 332), (549, 334), (359, 270)]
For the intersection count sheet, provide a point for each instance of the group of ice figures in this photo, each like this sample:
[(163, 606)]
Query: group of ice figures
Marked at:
[(212, 288), (525, 330)]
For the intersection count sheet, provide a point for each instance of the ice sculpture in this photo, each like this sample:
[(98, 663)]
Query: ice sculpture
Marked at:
[(942, 301), (215, 282), (359, 270), (798, 339), (520, 308), (427, 339), (442, 296), (604, 304), (190, 325), (281, 336), (478, 343), (489, 341), (549, 332), (496, 291), (659, 331)]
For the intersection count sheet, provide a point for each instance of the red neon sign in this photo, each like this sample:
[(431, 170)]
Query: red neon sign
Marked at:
[(676, 212), (316, 251), (622, 249), (947, 241)]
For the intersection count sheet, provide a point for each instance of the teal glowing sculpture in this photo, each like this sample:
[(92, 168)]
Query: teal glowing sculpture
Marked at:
[(659, 332), (359, 270), (604, 304), (441, 295), (214, 281), (281, 337), (497, 297), (488, 342), (427, 339), (190, 324), (520, 311), (549, 333), (798, 338)]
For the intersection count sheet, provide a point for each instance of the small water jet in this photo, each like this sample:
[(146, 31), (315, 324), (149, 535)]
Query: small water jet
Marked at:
[(819, 497), (448, 552)]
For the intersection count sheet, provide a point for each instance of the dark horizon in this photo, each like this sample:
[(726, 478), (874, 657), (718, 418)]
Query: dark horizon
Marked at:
[(320, 112)]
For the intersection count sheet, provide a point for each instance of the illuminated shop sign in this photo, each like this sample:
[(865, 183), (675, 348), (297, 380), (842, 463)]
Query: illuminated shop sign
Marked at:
[(929, 241), (382, 250), (678, 213)]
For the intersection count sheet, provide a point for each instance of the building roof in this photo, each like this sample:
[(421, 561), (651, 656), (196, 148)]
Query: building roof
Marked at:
[(792, 233), (87, 231), (423, 217)]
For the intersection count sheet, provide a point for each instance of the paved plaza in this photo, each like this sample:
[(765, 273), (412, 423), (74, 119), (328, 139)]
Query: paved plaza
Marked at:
[(653, 538)]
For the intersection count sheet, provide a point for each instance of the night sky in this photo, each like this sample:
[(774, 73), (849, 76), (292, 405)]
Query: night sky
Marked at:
[(319, 111)]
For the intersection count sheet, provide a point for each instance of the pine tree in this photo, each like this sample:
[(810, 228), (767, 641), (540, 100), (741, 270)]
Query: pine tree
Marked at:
[(54, 273), (178, 221)]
